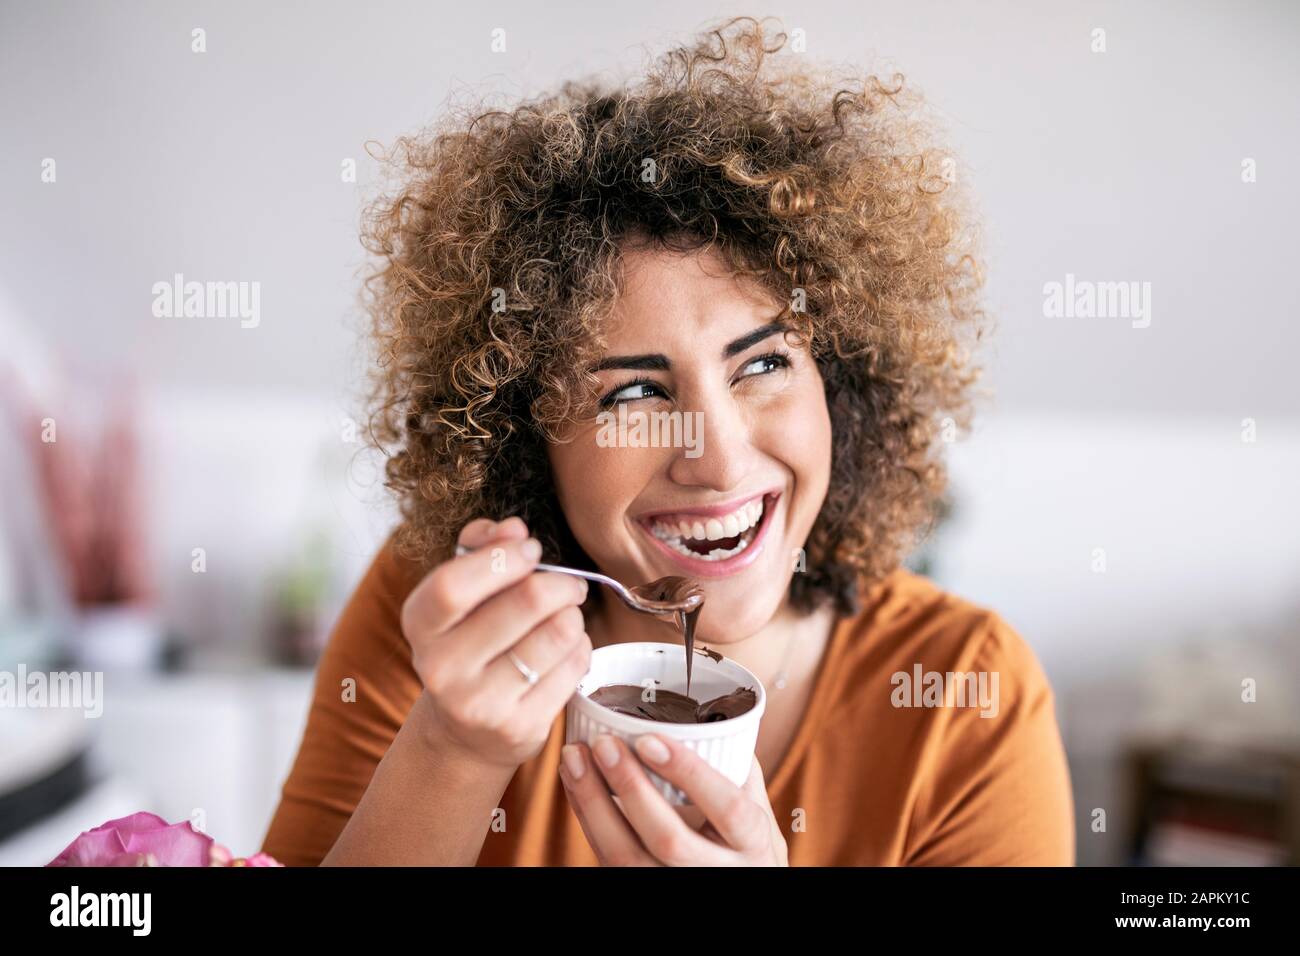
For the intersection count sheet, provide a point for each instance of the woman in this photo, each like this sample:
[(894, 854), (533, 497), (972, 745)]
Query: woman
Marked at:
[(774, 259)]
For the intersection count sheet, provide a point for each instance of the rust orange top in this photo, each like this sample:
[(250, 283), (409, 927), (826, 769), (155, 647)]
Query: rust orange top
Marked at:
[(870, 777)]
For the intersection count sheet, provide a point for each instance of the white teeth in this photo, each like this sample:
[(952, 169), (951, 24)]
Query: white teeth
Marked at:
[(738, 523), (717, 554), (712, 529)]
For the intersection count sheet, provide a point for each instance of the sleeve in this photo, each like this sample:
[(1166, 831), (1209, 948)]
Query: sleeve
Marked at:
[(365, 687), (998, 792)]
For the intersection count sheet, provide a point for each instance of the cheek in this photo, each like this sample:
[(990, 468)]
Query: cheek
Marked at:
[(819, 442), (594, 485), (797, 433)]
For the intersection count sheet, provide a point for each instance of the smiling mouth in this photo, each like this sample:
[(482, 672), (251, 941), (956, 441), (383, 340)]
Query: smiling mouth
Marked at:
[(713, 538)]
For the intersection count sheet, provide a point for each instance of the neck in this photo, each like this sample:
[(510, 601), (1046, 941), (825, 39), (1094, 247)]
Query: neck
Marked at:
[(790, 641)]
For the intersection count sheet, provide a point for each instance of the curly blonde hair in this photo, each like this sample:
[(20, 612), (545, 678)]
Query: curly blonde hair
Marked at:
[(499, 254)]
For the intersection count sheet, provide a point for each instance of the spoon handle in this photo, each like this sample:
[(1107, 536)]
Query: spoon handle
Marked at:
[(589, 575), (609, 582)]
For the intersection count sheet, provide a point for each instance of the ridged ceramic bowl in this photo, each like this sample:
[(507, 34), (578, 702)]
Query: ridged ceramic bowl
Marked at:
[(726, 745)]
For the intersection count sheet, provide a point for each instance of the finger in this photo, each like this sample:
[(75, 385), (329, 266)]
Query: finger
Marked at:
[(608, 832), (561, 682), (661, 830), (756, 787), (453, 589), (502, 620), (483, 531), (502, 699), (546, 647), (476, 533), (755, 784), (547, 698), (735, 812)]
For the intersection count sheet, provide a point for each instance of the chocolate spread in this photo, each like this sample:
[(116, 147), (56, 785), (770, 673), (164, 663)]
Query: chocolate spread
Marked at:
[(670, 707), (675, 590)]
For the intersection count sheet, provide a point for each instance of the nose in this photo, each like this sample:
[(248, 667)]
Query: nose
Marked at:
[(726, 448)]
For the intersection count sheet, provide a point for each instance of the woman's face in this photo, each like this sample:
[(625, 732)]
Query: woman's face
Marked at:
[(694, 365)]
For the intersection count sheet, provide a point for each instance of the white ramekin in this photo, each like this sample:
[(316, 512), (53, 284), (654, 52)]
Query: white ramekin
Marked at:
[(726, 745)]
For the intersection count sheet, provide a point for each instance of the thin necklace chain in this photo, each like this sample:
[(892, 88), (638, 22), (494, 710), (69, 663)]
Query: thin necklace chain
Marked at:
[(779, 681)]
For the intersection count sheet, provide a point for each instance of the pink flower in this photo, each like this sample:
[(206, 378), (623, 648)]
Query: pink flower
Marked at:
[(142, 839), (146, 839), (219, 856)]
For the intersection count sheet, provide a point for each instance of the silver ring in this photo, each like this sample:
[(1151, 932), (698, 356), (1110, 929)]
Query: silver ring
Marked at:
[(530, 675)]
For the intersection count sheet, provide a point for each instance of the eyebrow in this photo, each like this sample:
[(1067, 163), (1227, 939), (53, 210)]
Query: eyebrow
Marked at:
[(658, 362)]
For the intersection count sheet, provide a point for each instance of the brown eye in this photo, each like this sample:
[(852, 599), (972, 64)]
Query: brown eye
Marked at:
[(631, 392), (764, 364)]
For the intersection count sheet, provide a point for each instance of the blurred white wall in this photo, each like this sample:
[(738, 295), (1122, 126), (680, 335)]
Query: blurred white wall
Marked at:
[(247, 476), (1103, 538), (225, 165)]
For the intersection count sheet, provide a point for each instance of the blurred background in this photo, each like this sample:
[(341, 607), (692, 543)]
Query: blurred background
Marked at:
[(185, 503)]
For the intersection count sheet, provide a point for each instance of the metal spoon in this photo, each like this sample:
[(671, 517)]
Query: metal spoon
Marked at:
[(664, 596)]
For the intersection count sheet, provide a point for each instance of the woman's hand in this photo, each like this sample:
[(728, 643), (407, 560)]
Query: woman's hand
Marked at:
[(466, 617), (740, 828)]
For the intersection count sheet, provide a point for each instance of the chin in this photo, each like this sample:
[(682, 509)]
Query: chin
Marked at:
[(727, 620)]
